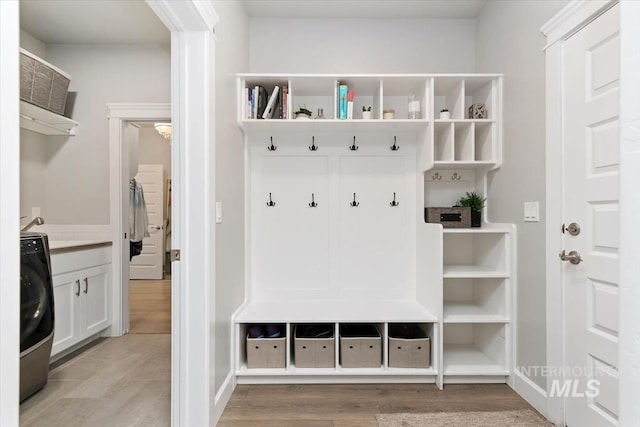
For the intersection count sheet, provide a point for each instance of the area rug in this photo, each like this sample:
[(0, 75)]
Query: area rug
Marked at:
[(523, 418)]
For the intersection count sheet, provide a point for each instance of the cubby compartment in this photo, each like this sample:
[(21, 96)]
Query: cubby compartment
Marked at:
[(409, 345), (475, 349), (484, 142), (449, 93), (443, 142), (397, 92), (313, 93), (464, 142), (475, 254), (360, 345), (268, 83), (443, 188), (265, 345), (481, 90), (314, 345), (475, 300), (366, 93)]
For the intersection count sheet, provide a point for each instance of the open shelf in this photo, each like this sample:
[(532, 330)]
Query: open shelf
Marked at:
[(44, 121), (475, 301), (474, 349), (471, 271), (334, 125), (464, 359)]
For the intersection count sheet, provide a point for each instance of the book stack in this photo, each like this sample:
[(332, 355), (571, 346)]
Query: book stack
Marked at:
[(345, 102), (261, 105)]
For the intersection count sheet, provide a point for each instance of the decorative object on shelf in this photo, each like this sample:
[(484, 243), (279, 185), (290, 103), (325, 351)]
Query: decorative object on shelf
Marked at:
[(313, 146), (303, 113), (354, 147), (366, 113), (476, 203), (313, 203), (164, 129), (394, 203), (394, 147), (354, 204), (272, 147), (271, 203), (478, 111), (445, 114), (388, 114), (454, 217), (320, 115), (414, 108)]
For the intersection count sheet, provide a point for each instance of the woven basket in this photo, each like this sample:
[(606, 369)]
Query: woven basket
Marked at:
[(456, 217), (42, 84)]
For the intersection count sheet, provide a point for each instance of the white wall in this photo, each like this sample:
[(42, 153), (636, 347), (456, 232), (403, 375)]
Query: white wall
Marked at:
[(509, 41), (362, 46), (77, 168), (231, 57), (153, 149)]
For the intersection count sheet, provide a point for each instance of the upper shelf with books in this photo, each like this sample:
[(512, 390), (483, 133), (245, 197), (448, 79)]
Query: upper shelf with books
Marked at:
[(397, 98)]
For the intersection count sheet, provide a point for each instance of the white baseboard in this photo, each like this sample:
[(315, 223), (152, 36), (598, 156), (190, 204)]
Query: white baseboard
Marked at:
[(531, 392), (222, 398)]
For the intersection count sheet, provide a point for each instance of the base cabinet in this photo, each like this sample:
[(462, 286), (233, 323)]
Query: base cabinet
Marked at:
[(82, 301)]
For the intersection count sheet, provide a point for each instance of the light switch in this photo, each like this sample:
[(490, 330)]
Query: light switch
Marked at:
[(218, 212), (531, 211)]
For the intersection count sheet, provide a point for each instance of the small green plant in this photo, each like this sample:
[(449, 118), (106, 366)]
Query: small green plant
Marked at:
[(366, 108), (444, 110), (472, 200), (304, 110)]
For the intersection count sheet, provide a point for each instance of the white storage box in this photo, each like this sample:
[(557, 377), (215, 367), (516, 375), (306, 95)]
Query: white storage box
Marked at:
[(360, 346)]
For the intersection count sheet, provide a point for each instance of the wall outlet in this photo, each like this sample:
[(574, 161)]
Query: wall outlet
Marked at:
[(218, 212), (531, 211)]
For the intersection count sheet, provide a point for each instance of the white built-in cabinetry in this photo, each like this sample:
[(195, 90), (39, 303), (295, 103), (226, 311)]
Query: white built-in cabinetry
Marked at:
[(336, 231), (82, 295)]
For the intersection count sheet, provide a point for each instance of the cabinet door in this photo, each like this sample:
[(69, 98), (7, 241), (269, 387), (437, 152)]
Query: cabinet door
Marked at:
[(66, 299), (96, 300)]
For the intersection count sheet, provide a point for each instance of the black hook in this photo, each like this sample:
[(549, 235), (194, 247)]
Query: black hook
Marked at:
[(313, 203), (353, 147), (354, 204), (272, 147), (395, 147), (271, 203), (313, 146), (394, 203)]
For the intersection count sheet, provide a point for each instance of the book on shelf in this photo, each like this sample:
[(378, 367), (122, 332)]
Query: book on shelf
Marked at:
[(259, 101), (272, 104), (343, 91), (285, 102), (350, 96)]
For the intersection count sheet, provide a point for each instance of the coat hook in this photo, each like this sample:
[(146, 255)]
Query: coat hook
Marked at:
[(272, 147), (353, 147), (395, 147), (271, 203), (313, 146), (394, 203), (354, 204), (313, 203), (455, 177), (436, 176)]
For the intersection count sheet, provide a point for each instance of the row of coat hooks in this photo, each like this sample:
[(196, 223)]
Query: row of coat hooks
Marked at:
[(352, 147), (354, 204)]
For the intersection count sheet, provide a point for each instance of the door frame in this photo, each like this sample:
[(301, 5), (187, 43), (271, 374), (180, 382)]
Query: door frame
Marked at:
[(119, 115), (572, 18)]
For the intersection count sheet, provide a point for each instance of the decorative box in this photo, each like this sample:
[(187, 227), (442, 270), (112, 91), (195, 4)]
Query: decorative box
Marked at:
[(478, 111), (454, 217), (409, 346), (360, 346)]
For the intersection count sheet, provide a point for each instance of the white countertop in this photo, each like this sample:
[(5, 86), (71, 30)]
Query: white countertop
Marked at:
[(67, 245)]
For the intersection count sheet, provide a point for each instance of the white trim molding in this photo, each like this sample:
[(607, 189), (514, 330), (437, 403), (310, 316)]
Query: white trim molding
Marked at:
[(192, 15), (9, 213), (530, 391)]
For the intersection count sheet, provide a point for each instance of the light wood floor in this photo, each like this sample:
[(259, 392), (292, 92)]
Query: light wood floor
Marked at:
[(126, 381), (150, 306)]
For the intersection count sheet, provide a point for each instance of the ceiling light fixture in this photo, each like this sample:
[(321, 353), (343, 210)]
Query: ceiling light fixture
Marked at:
[(164, 129)]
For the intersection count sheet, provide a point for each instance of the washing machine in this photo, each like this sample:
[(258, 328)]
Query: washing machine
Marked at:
[(36, 312)]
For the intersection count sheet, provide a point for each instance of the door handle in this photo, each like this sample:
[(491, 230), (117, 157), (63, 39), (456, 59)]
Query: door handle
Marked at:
[(573, 257), (78, 285), (86, 285)]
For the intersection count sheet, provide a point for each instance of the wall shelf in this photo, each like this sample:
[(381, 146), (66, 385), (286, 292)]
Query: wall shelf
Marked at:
[(45, 122)]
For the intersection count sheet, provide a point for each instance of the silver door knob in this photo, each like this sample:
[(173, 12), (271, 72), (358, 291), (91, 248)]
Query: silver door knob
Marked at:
[(573, 257)]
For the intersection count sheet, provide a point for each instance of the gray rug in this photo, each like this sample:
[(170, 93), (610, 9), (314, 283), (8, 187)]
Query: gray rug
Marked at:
[(523, 418)]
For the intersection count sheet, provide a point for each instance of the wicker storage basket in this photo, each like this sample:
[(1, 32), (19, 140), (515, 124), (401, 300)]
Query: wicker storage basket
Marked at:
[(42, 84), (457, 217)]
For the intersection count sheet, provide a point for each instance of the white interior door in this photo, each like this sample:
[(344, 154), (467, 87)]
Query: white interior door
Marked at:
[(148, 265), (591, 129)]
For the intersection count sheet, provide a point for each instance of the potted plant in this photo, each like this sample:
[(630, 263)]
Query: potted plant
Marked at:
[(366, 112), (303, 113), (445, 114), (476, 203)]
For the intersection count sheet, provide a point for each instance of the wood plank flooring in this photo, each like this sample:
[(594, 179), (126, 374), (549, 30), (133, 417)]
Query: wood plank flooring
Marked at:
[(150, 306)]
